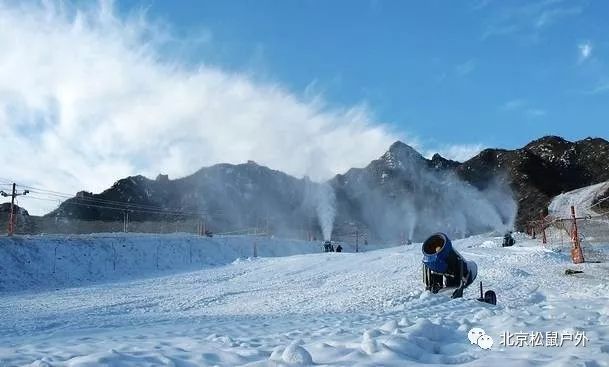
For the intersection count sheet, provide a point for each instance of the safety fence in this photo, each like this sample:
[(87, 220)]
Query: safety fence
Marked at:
[(586, 237), (203, 226)]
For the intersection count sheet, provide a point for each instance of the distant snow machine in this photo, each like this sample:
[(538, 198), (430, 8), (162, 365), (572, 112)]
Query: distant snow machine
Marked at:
[(508, 240), (328, 247), (444, 268)]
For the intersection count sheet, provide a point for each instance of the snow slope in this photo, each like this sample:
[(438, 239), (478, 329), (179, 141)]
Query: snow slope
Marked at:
[(582, 199), (364, 309), (39, 262)]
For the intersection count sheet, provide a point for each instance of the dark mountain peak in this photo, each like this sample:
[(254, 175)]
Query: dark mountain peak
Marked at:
[(6, 208), (553, 149), (593, 143), (162, 178), (439, 162), (401, 155), (492, 153), (594, 140), (399, 147), (131, 184), (131, 180), (549, 142), (550, 139)]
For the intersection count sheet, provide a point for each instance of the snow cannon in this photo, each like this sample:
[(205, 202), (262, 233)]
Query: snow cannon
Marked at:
[(444, 268)]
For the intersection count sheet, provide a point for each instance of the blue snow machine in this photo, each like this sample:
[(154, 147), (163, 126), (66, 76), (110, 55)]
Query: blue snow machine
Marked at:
[(444, 269)]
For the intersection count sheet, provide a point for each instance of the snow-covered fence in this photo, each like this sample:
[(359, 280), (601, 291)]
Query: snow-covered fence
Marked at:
[(49, 261)]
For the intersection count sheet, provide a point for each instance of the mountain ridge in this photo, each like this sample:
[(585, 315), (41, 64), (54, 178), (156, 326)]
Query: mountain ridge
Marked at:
[(249, 194)]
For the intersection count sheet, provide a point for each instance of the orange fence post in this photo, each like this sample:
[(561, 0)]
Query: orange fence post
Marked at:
[(543, 230), (576, 252)]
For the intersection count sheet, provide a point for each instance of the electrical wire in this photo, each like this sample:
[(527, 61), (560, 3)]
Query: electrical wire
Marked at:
[(114, 204)]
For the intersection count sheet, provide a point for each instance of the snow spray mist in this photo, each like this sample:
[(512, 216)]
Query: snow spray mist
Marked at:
[(326, 209)]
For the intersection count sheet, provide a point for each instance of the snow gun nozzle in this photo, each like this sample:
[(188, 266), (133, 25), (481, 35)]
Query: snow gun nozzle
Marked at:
[(444, 267), (437, 250)]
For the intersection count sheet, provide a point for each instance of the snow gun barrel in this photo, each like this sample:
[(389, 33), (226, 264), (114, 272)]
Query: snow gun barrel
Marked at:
[(438, 253), (444, 266)]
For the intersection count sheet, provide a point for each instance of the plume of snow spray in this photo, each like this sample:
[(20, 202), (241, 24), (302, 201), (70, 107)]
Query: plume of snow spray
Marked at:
[(326, 209)]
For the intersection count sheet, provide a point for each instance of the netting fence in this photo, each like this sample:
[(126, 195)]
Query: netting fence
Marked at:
[(585, 236)]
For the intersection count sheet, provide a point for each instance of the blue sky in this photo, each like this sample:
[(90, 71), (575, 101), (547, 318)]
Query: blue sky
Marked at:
[(496, 73), (98, 91)]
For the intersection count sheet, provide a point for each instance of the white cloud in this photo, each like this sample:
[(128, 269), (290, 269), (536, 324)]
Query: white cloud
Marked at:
[(466, 67), (550, 16), (87, 98), (599, 89), (585, 50), (535, 112), (531, 19), (524, 107), (514, 104)]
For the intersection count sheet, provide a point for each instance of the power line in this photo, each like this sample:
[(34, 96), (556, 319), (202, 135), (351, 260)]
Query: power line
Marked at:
[(118, 205)]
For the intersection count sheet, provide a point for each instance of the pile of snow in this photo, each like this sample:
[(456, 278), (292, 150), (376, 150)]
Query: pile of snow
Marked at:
[(348, 309), (582, 199)]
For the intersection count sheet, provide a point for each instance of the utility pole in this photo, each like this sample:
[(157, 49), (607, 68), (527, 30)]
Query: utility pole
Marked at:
[(13, 195), (356, 240), (125, 221)]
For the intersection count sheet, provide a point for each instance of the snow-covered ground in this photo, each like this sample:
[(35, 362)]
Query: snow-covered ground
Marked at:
[(582, 199), (335, 309), (54, 261)]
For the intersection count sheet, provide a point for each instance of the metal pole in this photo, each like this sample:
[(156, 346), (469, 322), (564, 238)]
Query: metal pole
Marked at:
[(11, 226), (356, 240)]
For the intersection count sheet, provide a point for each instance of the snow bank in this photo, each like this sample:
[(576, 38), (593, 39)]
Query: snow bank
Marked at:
[(56, 261)]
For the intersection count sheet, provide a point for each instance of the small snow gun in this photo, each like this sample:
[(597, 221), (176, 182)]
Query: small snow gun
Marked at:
[(444, 268)]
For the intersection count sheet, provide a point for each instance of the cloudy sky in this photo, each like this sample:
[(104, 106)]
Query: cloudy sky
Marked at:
[(91, 92)]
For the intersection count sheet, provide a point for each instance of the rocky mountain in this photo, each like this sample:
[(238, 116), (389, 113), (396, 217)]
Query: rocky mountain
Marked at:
[(22, 218), (400, 195), (403, 195), (226, 196), (541, 170)]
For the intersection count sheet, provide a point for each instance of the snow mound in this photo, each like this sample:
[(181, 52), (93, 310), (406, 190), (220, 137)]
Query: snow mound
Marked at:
[(296, 355)]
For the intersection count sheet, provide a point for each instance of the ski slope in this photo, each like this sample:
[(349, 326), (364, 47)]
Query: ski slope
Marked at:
[(582, 199), (332, 309)]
